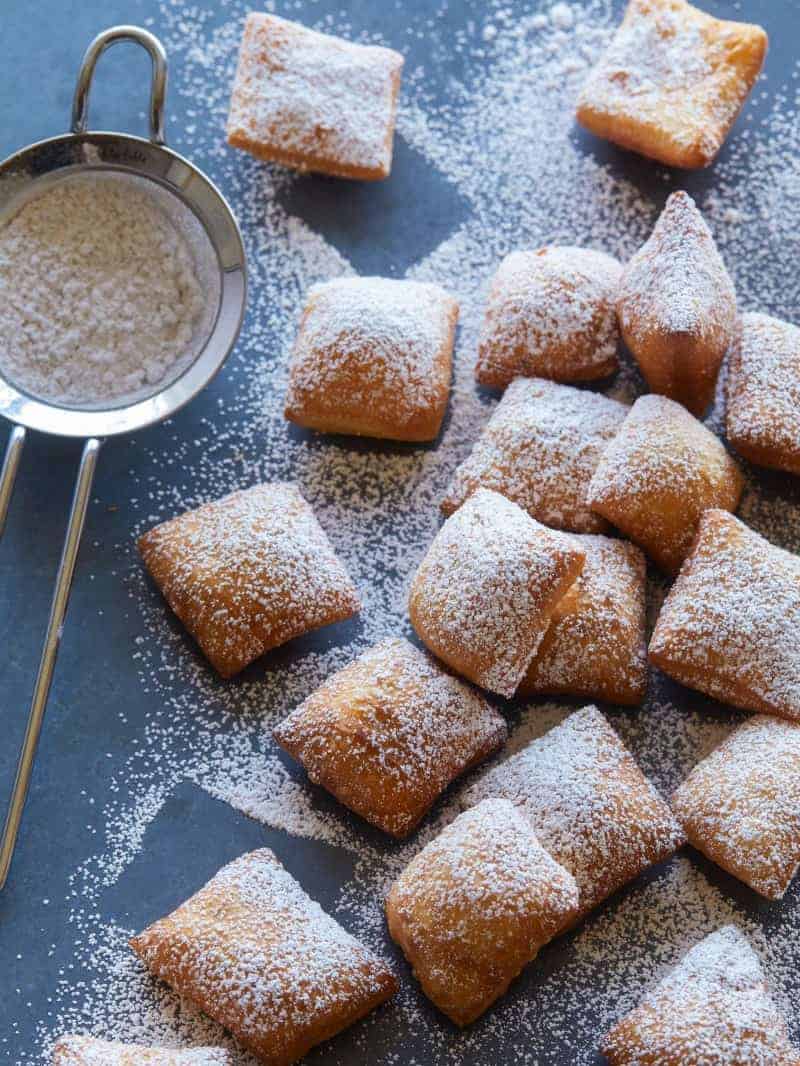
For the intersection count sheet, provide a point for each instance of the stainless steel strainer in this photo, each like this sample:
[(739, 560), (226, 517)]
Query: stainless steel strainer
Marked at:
[(187, 193)]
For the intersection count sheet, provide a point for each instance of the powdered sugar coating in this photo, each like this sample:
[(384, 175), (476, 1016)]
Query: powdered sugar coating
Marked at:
[(483, 595), (588, 802), (89, 1051), (550, 314), (540, 449), (713, 1009), (313, 101)]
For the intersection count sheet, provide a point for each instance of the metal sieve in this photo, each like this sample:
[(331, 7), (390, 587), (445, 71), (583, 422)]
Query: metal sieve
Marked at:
[(185, 192)]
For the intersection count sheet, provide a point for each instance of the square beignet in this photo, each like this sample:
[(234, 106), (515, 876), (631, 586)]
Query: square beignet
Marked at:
[(483, 596), (260, 957), (540, 449), (763, 385), (596, 646), (373, 357), (741, 805), (589, 804), (677, 306), (658, 475), (550, 314), (729, 626), (249, 572), (713, 1009), (388, 733), (476, 905), (311, 101), (88, 1051), (672, 82)]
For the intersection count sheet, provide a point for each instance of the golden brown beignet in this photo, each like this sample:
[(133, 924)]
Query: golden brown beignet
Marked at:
[(88, 1051), (550, 314), (388, 733), (596, 647), (311, 101), (677, 306), (373, 357), (672, 82), (484, 594), (729, 626), (713, 1009), (540, 449), (249, 572), (476, 905), (741, 805), (264, 960), (589, 804), (763, 384), (658, 475)]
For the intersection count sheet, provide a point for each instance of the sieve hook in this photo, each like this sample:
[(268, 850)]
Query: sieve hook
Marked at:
[(158, 88)]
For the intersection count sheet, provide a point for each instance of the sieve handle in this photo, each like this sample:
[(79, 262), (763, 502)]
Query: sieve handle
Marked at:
[(58, 610), (8, 473), (158, 88)]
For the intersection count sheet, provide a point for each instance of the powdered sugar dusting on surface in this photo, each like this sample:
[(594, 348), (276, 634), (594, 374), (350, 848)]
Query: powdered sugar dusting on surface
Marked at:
[(85, 1051)]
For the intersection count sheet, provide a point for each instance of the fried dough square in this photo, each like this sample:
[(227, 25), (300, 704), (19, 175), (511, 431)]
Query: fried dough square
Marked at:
[(476, 905), (540, 449), (595, 646), (741, 805), (550, 314), (659, 474), (714, 1008), (388, 733), (729, 626), (373, 357), (589, 804), (88, 1051), (483, 596), (249, 572), (311, 101), (763, 416), (672, 82), (264, 960)]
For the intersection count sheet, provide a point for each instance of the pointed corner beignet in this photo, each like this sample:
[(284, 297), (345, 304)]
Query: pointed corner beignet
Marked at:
[(659, 474), (677, 306), (388, 733), (373, 357), (540, 449), (550, 314), (589, 804), (729, 625), (596, 646), (484, 594), (672, 82), (476, 905), (713, 1008), (763, 386), (312, 101), (249, 572), (89, 1051), (259, 956), (740, 806)]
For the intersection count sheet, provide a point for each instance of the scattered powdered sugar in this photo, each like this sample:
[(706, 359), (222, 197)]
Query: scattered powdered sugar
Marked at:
[(85, 1051)]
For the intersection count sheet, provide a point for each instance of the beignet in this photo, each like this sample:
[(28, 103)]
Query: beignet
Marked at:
[(729, 626), (540, 449), (483, 596), (677, 306), (550, 314), (88, 1051), (311, 101), (595, 646), (672, 82), (373, 357), (741, 805), (249, 572), (659, 474), (264, 960), (589, 804), (388, 733), (476, 905)]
